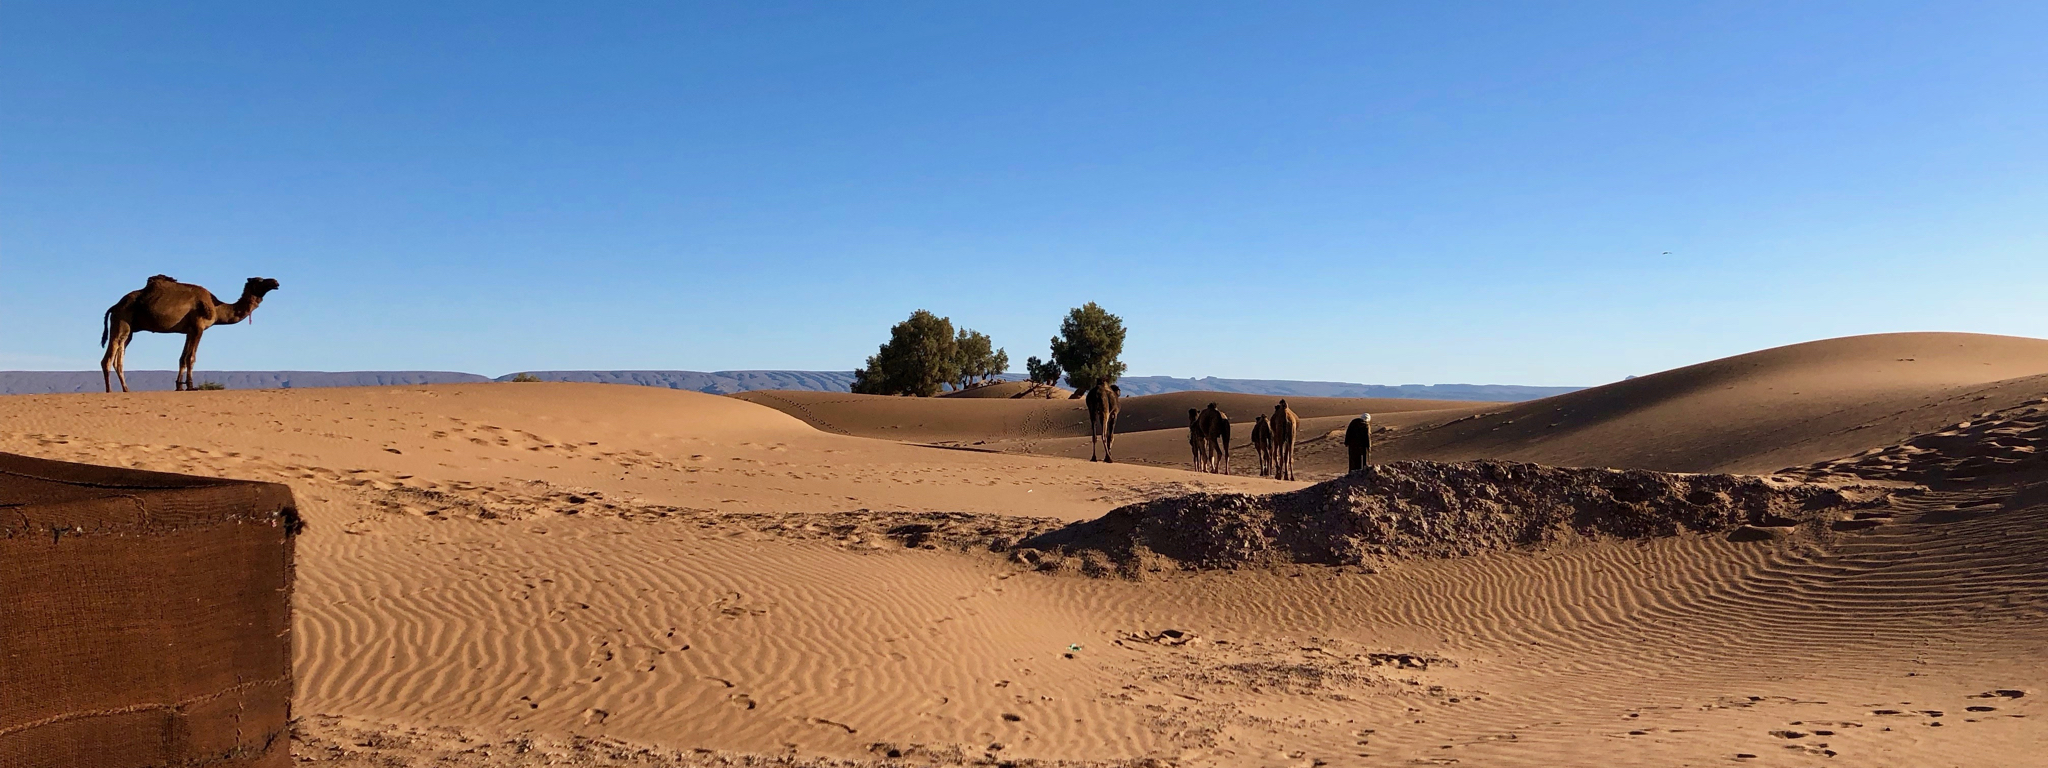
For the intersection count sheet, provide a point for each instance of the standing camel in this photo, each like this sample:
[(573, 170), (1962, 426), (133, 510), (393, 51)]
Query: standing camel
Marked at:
[(1285, 425), (1102, 404), (1215, 428), (1195, 442), (1262, 441), (165, 305)]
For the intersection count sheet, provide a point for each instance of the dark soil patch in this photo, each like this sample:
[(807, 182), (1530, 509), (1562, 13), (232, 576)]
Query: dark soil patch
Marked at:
[(1420, 509)]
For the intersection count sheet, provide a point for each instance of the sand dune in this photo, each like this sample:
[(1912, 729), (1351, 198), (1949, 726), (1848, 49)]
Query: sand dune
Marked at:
[(533, 574), (1756, 412)]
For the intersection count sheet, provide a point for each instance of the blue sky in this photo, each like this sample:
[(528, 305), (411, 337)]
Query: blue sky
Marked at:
[(1372, 192)]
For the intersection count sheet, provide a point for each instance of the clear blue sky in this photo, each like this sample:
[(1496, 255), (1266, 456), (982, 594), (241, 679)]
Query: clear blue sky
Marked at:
[(1353, 191)]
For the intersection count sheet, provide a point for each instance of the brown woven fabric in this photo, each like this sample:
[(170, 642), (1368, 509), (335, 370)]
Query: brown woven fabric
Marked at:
[(145, 618)]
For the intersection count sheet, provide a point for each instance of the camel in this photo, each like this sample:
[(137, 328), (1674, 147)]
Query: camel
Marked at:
[(1102, 405), (1214, 426), (1285, 424), (1262, 441), (165, 305), (1195, 442)]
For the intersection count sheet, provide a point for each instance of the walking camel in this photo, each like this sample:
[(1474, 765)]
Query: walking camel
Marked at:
[(1195, 442), (1102, 405), (1262, 441), (165, 305), (1214, 426), (1285, 424)]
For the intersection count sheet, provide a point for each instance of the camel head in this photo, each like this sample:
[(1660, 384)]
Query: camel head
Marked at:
[(1192, 414), (1262, 418), (252, 295)]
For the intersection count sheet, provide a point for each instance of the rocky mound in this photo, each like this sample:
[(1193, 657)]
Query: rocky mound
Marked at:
[(1991, 446), (1422, 509)]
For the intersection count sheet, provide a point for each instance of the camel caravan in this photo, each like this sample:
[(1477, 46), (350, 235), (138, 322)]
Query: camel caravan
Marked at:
[(1273, 438), (1209, 434)]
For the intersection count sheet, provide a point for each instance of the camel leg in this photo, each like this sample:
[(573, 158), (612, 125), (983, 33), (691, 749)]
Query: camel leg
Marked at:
[(107, 366), (1108, 437), (185, 361), (118, 333), (1226, 455)]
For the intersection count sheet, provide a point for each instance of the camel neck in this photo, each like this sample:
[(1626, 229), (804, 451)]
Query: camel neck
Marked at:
[(229, 314)]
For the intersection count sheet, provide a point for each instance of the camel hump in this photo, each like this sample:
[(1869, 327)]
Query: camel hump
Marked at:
[(154, 279)]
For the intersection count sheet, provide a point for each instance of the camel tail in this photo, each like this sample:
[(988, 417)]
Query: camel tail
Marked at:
[(106, 325)]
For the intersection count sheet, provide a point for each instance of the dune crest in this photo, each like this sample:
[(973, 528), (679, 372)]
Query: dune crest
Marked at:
[(1755, 412)]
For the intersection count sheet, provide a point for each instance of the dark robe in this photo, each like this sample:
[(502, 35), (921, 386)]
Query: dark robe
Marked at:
[(1358, 438)]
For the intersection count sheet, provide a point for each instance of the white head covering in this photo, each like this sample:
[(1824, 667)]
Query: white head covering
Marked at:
[(1365, 417)]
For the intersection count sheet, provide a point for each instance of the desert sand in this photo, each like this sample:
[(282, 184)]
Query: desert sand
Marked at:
[(537, 574)]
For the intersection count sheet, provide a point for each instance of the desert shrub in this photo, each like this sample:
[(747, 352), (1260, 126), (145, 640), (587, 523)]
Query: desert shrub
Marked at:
[(211, 386), (1088, 345), (921, 355), (524, 377)]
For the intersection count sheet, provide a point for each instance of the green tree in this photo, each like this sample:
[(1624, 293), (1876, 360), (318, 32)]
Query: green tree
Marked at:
[(974, 355), (1088, 345), (920, 356), (1042, 371), (997, 365)]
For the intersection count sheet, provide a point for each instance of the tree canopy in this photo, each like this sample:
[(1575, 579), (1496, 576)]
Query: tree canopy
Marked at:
[(921, 355), (976, 361), (1042, 371), (1088, 345)]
